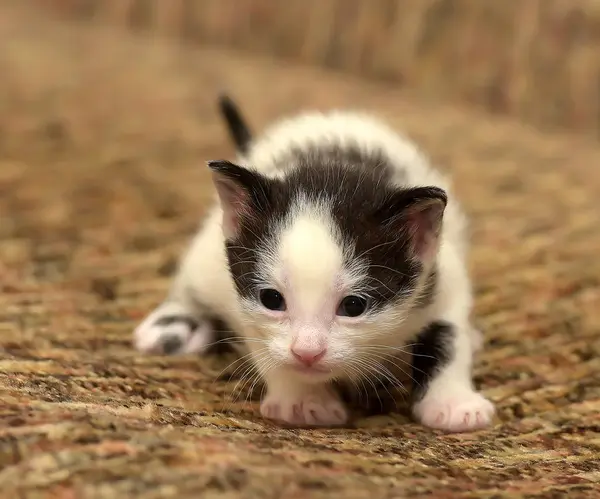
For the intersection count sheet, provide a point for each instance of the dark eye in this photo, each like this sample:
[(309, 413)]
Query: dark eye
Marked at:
[(272, 299), (352, 306)]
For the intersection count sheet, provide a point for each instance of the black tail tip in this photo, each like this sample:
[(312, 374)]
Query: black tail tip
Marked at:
[(236, 125), (226, 103)]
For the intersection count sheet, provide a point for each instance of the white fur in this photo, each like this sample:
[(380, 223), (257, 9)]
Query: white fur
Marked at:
[(308, 267)]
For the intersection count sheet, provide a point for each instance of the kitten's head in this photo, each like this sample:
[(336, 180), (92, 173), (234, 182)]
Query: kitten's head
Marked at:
[(327, 261)]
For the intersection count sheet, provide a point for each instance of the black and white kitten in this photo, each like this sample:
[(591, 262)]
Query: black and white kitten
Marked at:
[(332, 246)]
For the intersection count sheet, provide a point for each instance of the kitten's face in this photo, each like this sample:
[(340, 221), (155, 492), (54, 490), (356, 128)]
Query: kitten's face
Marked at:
[(326, 276)]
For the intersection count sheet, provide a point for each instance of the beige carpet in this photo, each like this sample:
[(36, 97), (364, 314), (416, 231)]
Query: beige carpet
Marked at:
[(103, 140)]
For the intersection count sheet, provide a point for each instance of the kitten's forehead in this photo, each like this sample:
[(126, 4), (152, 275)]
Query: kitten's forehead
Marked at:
[(310, 255)]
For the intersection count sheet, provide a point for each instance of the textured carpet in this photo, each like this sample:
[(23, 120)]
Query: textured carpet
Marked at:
[(103, 140)]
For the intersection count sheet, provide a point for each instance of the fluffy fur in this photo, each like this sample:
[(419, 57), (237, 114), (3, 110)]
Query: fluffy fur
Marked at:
[(332, 212)]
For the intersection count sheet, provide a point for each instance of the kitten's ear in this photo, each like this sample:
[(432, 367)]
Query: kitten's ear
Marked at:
[(419, 213), (241, 192)]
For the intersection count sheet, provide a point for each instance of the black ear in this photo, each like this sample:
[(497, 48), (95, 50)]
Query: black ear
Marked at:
[(419, 213), (241, 192)]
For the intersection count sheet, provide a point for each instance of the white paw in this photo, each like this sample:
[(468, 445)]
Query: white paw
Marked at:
[(171, 330), (459, 412), (319, 407)]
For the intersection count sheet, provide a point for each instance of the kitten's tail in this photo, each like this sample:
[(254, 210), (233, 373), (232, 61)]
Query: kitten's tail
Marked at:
[(236, 125)]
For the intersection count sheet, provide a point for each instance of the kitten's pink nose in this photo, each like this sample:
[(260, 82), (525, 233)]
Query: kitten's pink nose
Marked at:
[(308, 356)]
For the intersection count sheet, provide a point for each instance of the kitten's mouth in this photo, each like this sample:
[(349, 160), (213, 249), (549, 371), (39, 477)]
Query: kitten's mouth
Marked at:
[(311, 371)]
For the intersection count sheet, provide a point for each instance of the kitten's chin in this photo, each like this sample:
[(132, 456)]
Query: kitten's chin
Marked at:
[(313, 374)]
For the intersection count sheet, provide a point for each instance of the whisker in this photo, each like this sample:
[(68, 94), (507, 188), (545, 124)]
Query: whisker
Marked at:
[(249, 250), (239, 339), (390, 269), (356, 372), (247, 357), (370, 278), (257, 379), (391, 361), (401, 350), (366, 252), (265, 368), (380, 369), (254, 364), (368, 379), (235, 392)]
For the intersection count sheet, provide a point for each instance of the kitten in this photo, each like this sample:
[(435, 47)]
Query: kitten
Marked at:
[(332, 247)]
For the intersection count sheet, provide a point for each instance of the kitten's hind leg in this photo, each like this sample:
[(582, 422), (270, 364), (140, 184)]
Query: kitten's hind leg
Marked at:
[(174, 328), (184, 322)]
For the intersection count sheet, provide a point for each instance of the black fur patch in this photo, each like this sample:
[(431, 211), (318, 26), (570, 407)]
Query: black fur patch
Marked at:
[(433, 350), (365, 206), (171, 344), (167, 320)]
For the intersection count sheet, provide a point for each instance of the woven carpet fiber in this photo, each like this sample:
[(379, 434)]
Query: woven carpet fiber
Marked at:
[(103, 139)]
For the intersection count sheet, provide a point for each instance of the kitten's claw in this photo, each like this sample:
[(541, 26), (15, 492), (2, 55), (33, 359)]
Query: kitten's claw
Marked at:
[(319, 407), (171, 330)]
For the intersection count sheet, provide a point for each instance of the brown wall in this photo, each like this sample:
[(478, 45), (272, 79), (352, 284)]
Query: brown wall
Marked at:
[(538, 60)]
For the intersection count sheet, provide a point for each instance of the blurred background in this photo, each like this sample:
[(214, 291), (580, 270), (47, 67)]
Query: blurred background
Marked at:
[(107, 117), (536, 60)]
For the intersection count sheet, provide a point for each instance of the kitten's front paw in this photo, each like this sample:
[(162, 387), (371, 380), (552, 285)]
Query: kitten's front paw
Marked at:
[(171, 330), (455, 412), (318, 407)]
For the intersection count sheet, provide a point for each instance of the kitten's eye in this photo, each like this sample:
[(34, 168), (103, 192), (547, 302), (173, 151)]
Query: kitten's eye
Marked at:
[(272, 299), (352, 306)]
